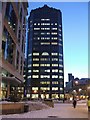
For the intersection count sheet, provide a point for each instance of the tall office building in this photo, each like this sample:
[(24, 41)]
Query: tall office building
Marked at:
[(45, 54), (13, 47)]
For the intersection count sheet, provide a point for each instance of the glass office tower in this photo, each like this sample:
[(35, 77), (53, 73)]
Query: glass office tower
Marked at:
[(45, 54)]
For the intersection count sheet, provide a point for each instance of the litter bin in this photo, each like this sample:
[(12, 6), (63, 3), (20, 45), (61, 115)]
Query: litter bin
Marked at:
[(26, 108)]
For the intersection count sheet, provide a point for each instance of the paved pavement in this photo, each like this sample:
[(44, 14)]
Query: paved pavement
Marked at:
[(60, 110)]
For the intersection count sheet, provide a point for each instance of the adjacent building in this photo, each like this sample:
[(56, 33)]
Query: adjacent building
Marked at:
[(13, 47), (45, 54)]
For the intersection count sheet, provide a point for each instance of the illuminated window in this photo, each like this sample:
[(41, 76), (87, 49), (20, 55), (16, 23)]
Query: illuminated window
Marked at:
[(42, 33), (54, 70), (34, 23), (47, 70), (35, 70), (45, 43), (35, 54), (45, 53), (61, 88), (54, 76), (54, 53), (55, 82), (38, 23), (55, 23), (54, 28), (45, 76), (44, 88), (45, 82), (34, 88), (44, 64), (36, 28), (54, 64), (61, 96), (60, 71), (45, 19), (29, 76), (29, 70), (34, 96), (54, 43), (54, 33), (48, 33), (54, 38), (54, 59), (54, 88), (35, 76), (45, 59), (35, 59), (61, 77), (60, 65), (36, 65), (45, 23)]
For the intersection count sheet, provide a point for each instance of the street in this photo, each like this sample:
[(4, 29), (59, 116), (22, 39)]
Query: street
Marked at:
[(60, 110)]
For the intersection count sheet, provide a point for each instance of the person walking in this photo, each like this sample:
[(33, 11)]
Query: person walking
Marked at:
[(74, 103), (88, 103)]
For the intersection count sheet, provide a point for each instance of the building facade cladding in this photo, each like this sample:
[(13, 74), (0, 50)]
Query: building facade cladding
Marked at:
[(13, 44), (45, 53)]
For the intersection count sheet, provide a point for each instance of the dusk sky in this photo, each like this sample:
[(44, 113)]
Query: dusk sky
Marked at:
[(75, 35)]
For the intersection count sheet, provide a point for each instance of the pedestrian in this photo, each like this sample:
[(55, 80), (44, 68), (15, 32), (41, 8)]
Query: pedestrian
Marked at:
[(74, 103), (88, 103)]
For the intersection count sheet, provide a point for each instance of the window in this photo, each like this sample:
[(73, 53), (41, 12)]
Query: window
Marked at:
[(29, 76), (55, 23), (45, 76), (54, 88), (54, 33), (29, 71), (61, 77), (54, 38), (54, 28), (45, 23), (29, 65), (54, 43), (48, 70), (35, 70), (44, 88), (45, 19), (36, 28), (60, 71), (44, 64), (54, 59), (54, 64), (54, 70), (55, 82), (36, 65), (34, 23), (45, 43), (61, 88), (54, 76), (34, 88), (35, 59), (45, 82), (35, 76), (54, 53), (35, 54), (60, 65), (45, 53)]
